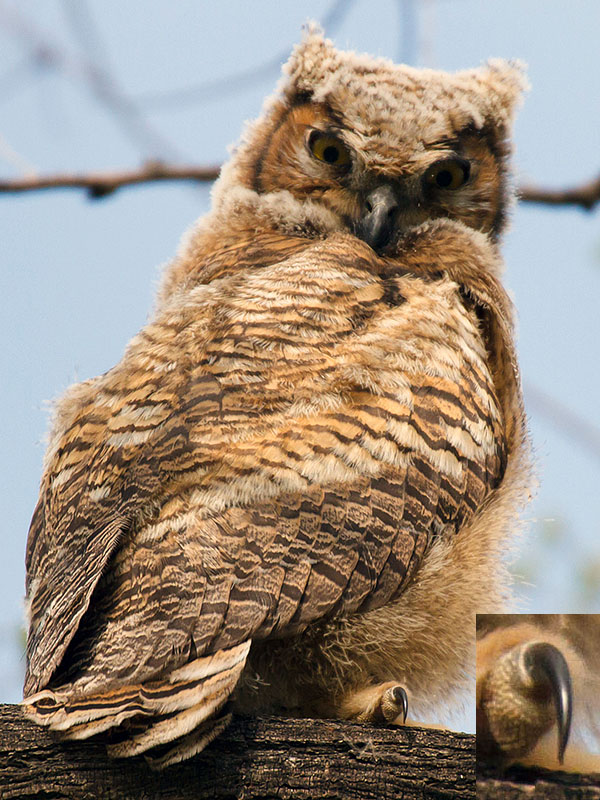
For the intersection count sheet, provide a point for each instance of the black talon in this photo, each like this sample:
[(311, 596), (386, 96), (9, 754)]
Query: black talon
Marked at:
[(547, 666), (400, 696)]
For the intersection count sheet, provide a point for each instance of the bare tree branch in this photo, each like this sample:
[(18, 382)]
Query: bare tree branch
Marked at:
[(408, 39), (44, 51), (12, 156), (586, 434), (99, 184), (586, 196), (233, 83)]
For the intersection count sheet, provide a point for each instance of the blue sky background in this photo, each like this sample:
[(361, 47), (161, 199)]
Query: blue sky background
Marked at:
[(77, 277)]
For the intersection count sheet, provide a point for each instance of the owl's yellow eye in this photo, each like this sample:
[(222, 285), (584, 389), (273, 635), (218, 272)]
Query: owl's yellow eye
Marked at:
[(450, 173), (329, 149)]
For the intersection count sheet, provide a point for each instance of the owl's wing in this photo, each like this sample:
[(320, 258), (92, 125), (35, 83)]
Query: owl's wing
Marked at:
[(272, 450)]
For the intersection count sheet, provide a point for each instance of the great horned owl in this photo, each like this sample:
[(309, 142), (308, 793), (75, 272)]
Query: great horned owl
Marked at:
[(538, 678), (292, 493)]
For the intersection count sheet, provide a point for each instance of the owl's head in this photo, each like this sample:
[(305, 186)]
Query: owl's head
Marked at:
[(360, 144)]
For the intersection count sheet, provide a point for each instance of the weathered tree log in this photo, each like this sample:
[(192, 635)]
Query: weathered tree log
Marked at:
[(255, 759), (520, 783), (269, 758)]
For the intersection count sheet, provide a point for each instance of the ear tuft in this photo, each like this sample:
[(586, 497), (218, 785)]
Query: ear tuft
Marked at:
[(309, 60), (505, 82)]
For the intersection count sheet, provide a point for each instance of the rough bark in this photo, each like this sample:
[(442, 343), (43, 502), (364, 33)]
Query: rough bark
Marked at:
[(519, 783), (255, 759)]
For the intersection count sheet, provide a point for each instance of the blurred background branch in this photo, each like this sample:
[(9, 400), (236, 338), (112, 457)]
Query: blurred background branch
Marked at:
[(43, 53), (99, 184), (585, 196), (583, 433)]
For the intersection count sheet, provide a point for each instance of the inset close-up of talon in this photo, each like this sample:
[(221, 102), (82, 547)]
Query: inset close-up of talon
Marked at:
[(537, 681)]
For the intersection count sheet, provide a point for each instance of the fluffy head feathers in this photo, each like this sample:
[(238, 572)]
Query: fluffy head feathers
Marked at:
[(396, 121), (430, 99)]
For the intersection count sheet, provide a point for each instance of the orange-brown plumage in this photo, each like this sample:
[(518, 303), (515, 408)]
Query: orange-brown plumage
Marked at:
[(295, 484)]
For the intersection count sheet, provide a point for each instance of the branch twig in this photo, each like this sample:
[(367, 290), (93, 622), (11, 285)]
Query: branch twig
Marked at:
[(586, 196), (236, 82), (43, 51), (586, 434), (99, 184)]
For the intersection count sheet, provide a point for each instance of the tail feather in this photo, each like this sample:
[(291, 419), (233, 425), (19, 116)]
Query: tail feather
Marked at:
[(185, 699), (178, 725), (190, 745)]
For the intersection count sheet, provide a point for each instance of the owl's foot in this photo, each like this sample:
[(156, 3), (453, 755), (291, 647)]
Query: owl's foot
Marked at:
[(384, 703)]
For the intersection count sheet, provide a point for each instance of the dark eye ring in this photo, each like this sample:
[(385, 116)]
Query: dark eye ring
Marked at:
[(328, 149), (448, 173)]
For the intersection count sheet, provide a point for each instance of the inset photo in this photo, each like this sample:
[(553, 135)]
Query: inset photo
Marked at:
[(538, 692)]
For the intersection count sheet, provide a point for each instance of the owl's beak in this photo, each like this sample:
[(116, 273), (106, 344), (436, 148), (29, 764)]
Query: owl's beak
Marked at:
[(376, 224), (546, 666)]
